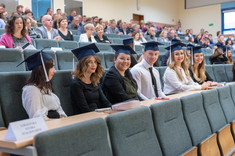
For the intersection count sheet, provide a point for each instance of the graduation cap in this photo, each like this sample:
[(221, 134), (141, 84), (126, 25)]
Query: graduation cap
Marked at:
[(87, 50), (127, 41), (190, 46), (196, 49), (36, 60), (174, 41), (174, 47), (123, 49), (152, 45)]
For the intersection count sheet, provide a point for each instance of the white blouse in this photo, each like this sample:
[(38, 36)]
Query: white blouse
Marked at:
[(84, 38), (37, 104), (173, 85)]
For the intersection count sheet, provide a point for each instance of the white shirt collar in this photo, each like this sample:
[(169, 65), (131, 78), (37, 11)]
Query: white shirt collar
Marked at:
[(145, 64)]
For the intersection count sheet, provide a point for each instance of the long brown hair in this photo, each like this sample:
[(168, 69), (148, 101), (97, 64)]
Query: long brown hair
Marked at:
[(230, 58), (38, 78), (184, 65), (82, 66), (201, 71), (10, 25)]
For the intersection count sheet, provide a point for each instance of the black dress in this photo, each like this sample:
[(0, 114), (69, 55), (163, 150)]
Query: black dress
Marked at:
[(208, 78), (114, 86), (69, 36), (86, 97), (105, 38)]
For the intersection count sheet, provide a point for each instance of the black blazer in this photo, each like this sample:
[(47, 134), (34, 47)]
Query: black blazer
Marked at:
[(114, 86)]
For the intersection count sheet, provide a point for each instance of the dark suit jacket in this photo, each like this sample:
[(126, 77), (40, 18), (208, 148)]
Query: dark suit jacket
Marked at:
[(114, 86)]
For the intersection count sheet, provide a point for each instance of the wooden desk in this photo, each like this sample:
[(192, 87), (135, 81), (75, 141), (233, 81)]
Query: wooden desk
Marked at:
[(14, 145)]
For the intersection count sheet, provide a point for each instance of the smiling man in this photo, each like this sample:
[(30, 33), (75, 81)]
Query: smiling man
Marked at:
[(147, 77)]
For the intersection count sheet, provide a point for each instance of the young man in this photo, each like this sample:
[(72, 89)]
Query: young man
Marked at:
[(147, 77)]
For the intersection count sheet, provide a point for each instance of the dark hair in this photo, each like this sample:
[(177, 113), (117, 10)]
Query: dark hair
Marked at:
[(3, 5), (19, 6), (27, 11), (38, 78), (48, 9), (226, 42), (10, 25)]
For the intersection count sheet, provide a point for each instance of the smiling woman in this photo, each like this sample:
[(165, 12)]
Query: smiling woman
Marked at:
[(176, 77), (119, 84), (85, 91)]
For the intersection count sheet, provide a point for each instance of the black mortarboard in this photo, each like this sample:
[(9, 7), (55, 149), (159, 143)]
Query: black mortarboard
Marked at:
[(127, 41), (35, 60), (123, 49), (190, 46), (174, 41), (87, 50), (174, 47), (152, 45), (197, 49)]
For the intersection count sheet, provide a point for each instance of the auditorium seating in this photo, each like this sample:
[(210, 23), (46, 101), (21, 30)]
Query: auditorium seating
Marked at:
[(195, 118), (45, 43), (132, 133), (170, 127), (9, 59), (88, 138), (213, 110), (65, 60), (179, 124), (68, 45), (220, 75)]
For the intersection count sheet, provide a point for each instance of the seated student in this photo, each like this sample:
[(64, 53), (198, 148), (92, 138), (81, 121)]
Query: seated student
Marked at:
[(206, 43), (176, 77), (147, 77), (228, 54), (38, 98), (86, 94), (197, 68), (119, 84), (130, 42), (16, 33), (219, 57)]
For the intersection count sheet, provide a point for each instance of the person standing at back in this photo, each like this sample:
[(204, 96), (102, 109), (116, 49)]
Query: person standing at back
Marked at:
[(147, 77)]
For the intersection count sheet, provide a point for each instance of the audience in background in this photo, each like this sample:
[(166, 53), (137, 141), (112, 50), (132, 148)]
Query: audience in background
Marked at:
[(20, 9), (46, 31), (31, 32), (118, 84), (228, 54), (49, 12), (206, 43), (138, 38), (218, 57), (112, 29), (163, 36), (70, 17), (86, 94), (150, 34), (63, 31), (88, 36), (74, 24), (100, 37), (16, 33)]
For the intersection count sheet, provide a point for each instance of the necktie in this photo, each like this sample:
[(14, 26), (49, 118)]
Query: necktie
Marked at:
[(153, 81)]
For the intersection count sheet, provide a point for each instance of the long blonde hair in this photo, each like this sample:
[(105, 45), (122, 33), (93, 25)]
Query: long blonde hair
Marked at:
[(201, 71), (82, 66), (184, 65)]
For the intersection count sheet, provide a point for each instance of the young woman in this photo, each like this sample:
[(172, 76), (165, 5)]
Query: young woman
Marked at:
[(86, 94), (38, 97), (119, 84), (228, 54), (16, 33), (63, 31), (138, 38), (197, 68), (176, 77)]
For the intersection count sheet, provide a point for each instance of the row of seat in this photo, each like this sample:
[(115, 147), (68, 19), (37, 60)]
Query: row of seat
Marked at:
[(10, 58), (10, 93), (192, 125)]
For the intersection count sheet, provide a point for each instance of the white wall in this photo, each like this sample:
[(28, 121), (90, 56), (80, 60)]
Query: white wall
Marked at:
[(153, 10), (25, 3), (198, 18), (58, 4)]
